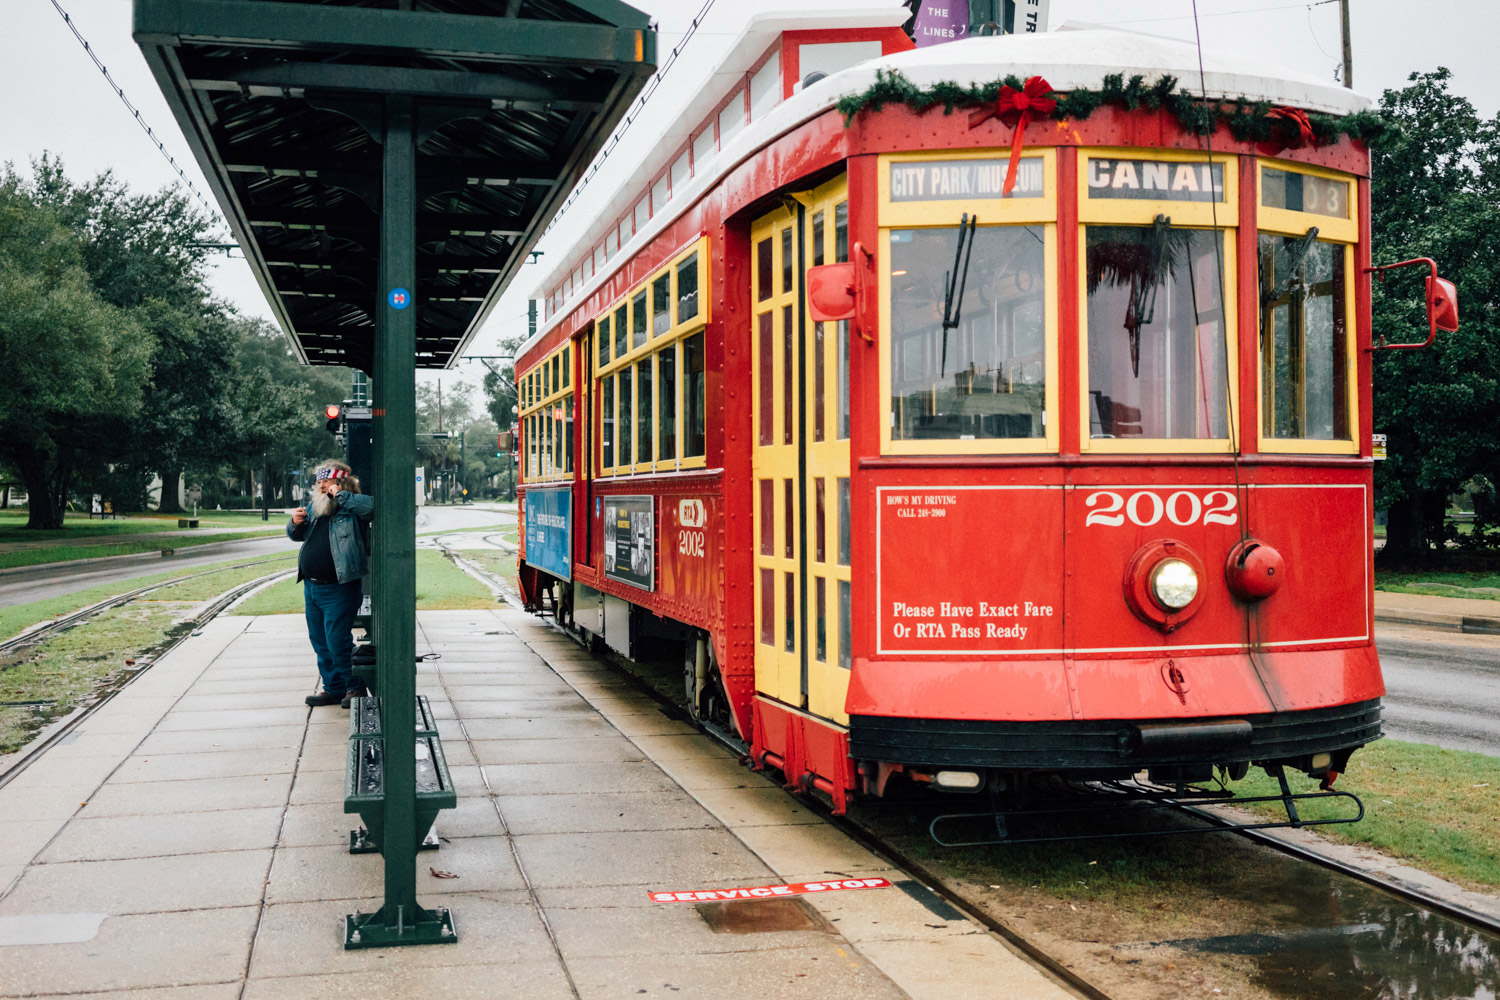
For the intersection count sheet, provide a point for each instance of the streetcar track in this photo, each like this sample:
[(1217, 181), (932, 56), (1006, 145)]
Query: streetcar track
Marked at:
[(872, 841), (34, 751)]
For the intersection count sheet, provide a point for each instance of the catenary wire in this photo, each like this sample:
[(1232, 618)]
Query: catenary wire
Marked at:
[(135, 112)]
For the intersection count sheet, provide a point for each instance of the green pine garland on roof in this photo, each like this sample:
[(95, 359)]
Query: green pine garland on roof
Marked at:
[(1247, 120)]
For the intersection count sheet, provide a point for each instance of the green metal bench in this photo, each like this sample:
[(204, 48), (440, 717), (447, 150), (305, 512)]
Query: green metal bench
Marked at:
[(364, 777)]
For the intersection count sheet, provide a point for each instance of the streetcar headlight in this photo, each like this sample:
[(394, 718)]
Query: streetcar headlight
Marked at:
[(1174, 584)]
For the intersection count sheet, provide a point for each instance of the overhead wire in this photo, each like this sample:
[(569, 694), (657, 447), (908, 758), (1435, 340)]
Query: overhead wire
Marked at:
[(631, 116), (136, 114)]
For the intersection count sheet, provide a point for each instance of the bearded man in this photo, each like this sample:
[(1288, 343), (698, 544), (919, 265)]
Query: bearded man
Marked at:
[(333, 530)]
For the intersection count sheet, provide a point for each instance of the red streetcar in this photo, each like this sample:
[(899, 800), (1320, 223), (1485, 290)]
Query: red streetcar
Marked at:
[(1027, 439)]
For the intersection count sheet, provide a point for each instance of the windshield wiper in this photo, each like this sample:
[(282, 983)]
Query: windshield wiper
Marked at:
[(956, 280), (1294, 258)]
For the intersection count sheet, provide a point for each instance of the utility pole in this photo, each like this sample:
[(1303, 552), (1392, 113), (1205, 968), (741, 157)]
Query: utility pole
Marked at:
[(1348, 46)]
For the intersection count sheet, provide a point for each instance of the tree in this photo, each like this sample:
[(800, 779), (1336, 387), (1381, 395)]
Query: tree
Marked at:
[(71, 359), (145, 253), (1435, 192)]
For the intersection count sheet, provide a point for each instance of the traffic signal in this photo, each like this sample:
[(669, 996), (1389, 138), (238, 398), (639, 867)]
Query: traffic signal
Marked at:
[(334, 412)]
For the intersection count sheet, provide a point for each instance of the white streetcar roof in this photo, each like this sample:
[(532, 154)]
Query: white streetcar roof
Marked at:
[(1076, 56)]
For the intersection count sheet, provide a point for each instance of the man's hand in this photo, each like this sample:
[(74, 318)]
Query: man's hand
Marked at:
[(299, 515)]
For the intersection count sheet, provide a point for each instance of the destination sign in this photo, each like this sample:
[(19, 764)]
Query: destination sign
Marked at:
[(951, 180), (1156, 180)]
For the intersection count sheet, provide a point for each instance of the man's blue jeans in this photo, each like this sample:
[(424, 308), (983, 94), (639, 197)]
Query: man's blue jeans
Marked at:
[(331, 608)]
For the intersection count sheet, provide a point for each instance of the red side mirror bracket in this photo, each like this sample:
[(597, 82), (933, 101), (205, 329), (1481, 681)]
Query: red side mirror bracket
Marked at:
[(838, 291), (1442, 304)]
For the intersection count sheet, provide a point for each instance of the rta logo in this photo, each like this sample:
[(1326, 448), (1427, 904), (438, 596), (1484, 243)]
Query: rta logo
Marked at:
[(691, 514)]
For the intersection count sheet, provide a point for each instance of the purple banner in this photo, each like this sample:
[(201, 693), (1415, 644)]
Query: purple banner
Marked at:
[(941, 21)]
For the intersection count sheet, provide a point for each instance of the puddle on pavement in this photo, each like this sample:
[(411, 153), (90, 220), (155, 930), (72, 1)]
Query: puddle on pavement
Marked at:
[(760, 916), (1333, 938)]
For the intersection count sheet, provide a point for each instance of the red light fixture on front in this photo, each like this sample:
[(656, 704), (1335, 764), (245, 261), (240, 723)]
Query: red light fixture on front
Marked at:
[(1164, 584), (1254, 570)]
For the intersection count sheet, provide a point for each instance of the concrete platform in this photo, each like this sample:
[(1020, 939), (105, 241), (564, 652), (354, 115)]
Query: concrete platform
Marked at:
[(189, 843)]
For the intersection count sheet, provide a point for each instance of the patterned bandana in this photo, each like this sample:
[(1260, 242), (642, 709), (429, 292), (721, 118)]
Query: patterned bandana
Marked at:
[(331, 474)]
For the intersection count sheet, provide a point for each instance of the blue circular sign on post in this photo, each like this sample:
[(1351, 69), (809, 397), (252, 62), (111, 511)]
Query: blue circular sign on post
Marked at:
[(400, 298)]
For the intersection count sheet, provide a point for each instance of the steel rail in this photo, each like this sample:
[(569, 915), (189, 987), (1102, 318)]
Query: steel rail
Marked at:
[(1401, 890), (208, 611), (73, 618)]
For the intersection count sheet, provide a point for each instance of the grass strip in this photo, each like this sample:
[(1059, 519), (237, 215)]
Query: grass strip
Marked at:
[(1436, 809), (63, 553), (1478, 584), (20, 616), (441, 586)]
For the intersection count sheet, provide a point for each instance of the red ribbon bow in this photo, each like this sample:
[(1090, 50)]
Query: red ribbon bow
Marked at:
[(1017, 108), (1301, 136)]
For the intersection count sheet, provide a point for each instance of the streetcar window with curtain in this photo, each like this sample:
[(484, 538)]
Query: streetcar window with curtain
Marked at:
[(841, 232), (985, 377), (1157, 366), (695, 437), (767, 516), (788, 260), (819, 379), (846, 658), (638, 320), (626, 423), (843, 516), (843, 367), (666, 377), (644, 425), (1304, 342), (687, 289), (661, 304), (764, 286), (607, 420), (622, 333), (603, 336)]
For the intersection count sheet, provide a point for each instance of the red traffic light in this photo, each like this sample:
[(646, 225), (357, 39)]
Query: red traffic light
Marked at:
[(332, 411)]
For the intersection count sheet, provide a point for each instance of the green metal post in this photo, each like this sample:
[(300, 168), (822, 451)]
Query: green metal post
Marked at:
[(400, 920)]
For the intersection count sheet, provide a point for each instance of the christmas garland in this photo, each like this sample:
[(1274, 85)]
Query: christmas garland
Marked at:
[(1248, 121)]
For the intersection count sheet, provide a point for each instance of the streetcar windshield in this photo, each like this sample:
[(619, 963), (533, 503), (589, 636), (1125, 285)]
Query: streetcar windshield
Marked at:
[(1157, 366), (985, 378)]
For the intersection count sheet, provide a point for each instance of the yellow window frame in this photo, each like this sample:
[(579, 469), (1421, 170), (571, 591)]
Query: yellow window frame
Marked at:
[(1331, 229), (1184, 215), (1132, 211), (538, 399), (990, 211), (674, 336)]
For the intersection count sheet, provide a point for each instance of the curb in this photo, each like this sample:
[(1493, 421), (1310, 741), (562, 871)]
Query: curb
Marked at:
[(1439, 622)]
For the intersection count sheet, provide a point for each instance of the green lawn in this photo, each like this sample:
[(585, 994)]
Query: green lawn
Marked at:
[(441, 586), (17, 617), (1480, 584), (1437, 809)]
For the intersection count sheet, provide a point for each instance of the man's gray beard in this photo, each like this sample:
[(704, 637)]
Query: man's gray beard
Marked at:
[(323, 504)]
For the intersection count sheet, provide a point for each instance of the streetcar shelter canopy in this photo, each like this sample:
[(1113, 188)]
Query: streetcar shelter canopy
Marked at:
[(283, 104)]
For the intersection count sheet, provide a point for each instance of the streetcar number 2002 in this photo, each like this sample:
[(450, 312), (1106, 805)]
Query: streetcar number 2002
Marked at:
[(1146, 507)]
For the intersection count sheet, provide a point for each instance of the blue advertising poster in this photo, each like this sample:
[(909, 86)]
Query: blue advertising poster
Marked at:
[(549, 530)]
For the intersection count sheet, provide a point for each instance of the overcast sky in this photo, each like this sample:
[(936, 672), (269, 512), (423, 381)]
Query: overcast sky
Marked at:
[(56, 99)]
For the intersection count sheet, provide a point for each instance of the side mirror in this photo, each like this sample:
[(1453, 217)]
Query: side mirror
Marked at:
[(830, 292), (1442, 304)]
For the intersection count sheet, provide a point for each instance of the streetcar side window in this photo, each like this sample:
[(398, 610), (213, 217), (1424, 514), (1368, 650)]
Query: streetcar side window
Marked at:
[(607, 422), (622, 332), (661, 304), (626, 437), (1157, 362), (984, 377), (1305, 260), (687, 289), (645, 426), (603, 337), (638, 320), (666, 375), (695, 439)]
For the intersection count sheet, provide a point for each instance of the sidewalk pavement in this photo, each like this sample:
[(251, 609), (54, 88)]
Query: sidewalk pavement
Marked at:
[(188, 842), (1447, 614)]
